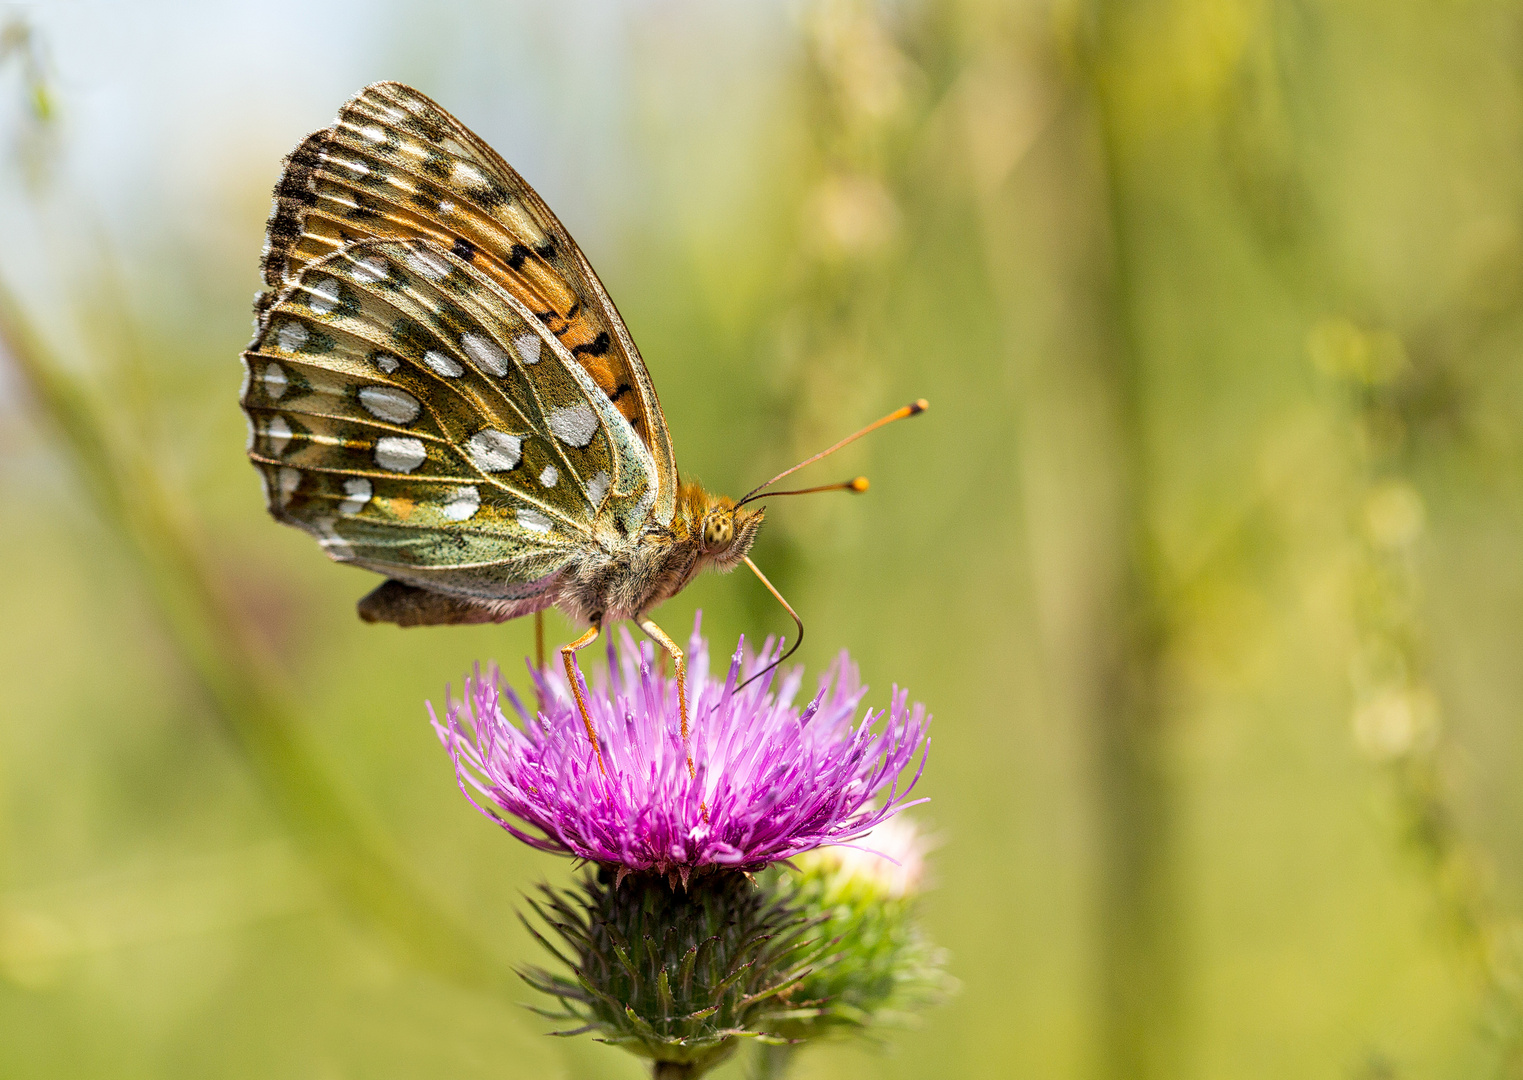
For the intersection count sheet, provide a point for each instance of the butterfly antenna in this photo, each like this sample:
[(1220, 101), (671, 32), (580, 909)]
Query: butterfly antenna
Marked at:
[(796, 622), (857, 486), (912, 409)]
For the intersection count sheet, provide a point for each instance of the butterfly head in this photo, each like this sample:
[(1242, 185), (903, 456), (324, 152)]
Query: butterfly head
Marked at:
[(724, 531), (728, 532)]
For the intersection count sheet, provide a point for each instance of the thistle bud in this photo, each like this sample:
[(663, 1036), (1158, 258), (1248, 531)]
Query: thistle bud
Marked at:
[(879, 968)]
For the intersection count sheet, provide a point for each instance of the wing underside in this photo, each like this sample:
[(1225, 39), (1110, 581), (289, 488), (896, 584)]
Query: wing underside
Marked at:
[(397, 165), (421, 421)]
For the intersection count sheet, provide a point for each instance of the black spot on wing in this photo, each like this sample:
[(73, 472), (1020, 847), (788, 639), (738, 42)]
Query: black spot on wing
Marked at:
[(596, 347), (364, 208), (295, 194), (452, 319), (619, 391), (429, 129), (490, 195), (516, 257), (426, 196), (464, 249), (410, 338)]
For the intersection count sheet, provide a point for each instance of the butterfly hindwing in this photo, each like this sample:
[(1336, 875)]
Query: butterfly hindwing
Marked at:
[(421, 421), (397, 165)]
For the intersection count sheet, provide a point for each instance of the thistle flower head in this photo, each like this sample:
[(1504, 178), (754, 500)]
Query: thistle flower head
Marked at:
[(774, 778)]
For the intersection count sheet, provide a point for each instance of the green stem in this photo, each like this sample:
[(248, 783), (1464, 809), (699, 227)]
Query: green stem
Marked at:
[(239, 678), (1141, 968), (674, 1070)]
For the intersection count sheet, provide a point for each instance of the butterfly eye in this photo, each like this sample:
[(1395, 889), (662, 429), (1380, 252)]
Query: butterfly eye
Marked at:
[(718, 530)]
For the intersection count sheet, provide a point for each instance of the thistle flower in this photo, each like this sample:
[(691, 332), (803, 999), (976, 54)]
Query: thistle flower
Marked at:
[(773, 779)]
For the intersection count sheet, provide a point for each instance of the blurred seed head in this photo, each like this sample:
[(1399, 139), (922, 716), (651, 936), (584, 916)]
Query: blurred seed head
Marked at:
[(35, 146), (1393, 515), (1003, 105), (865, 70), (1341, 349), (851, 216), (1397, 722)]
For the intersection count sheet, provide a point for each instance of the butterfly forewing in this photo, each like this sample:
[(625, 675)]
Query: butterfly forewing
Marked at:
[(397, 165), (421, 421)]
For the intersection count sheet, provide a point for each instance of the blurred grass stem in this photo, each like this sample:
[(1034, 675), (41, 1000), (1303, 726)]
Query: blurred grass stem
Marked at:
[(1141, 964)]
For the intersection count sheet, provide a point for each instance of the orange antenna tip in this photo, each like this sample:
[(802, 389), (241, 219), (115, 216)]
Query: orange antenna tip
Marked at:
[(859, 485), (919, 405)]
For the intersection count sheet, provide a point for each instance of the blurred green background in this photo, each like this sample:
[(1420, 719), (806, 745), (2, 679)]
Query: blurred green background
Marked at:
[(1206, 558)]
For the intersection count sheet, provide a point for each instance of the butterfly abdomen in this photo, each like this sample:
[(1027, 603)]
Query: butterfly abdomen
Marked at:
[(631, 579)]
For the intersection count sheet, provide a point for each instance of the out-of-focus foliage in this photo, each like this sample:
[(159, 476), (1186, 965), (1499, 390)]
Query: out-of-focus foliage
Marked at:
[(1206, 556)]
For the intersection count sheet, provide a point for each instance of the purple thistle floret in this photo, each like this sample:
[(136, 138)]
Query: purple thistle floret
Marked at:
[(773, 780)]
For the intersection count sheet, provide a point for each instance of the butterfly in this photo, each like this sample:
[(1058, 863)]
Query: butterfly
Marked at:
[(440, 390)]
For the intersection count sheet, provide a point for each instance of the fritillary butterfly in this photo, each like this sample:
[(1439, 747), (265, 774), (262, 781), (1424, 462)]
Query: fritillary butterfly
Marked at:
[(440, 390)]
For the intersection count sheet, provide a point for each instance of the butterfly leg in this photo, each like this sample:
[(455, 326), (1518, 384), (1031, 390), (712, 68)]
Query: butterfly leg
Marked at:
[(568, 655), (539, 655), (658, 635)]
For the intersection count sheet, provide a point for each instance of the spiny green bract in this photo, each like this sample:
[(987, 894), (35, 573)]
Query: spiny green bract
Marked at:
[(677, 974)]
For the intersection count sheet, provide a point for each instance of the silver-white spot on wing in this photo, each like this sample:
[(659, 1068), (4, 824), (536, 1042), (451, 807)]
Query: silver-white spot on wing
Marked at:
[(386, 363), (390, 404), (370, 269), (359, 168), (444, 365), (278, 434), (533, 520), (322, 295), (494, 451), (486, 352), (466, 174), (446, 207), (357, 492), (374, 132), (286, 484), (331, 541), (430, 264), (527, 347), (575, 425), (396, 453), (549, 476), (597, 487), (291, 336), (463, 502), (275, 381)]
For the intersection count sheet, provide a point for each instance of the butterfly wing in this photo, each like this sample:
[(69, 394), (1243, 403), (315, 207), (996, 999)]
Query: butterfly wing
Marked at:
[(420, 420), (397, 165)]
